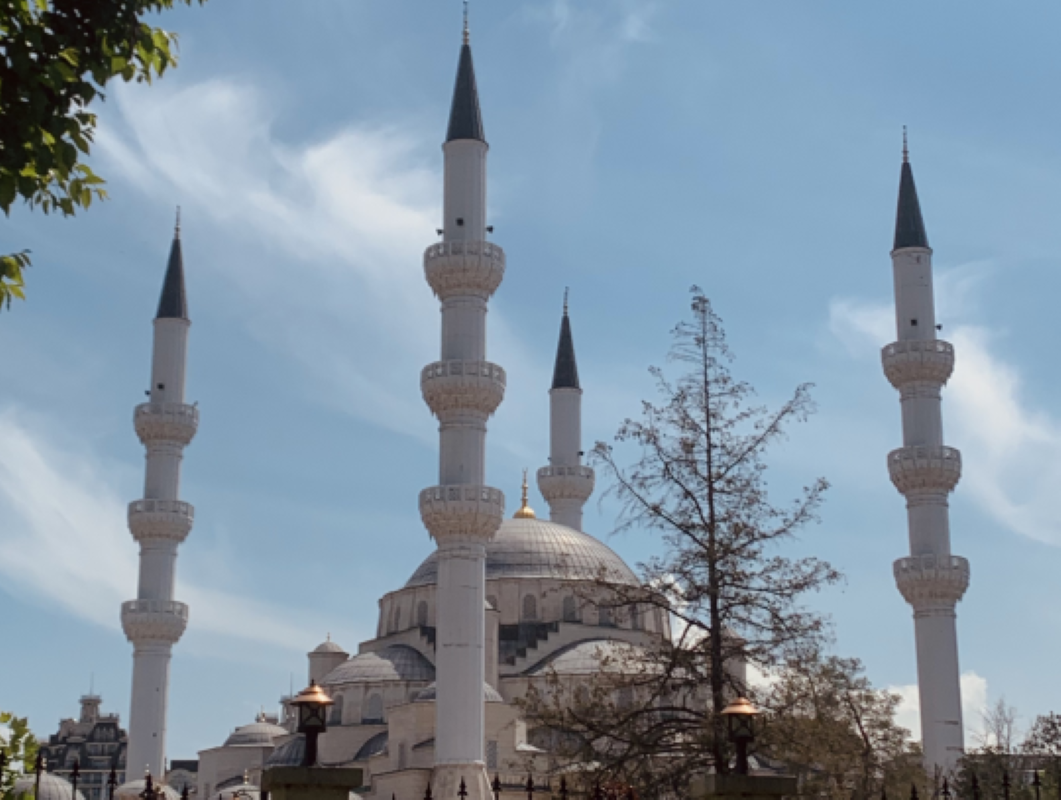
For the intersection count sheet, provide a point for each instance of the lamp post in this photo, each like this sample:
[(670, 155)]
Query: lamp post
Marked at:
[(740, 722), (312, 704)]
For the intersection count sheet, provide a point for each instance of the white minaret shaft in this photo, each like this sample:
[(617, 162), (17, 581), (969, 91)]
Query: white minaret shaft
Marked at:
[(462, 390), (565, 484), (155, 621), (931, 579)]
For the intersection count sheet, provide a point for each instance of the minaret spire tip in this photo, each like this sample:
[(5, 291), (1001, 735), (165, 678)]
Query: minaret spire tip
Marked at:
[(177, 227), (906, 149), (566, 290), (467, 31)]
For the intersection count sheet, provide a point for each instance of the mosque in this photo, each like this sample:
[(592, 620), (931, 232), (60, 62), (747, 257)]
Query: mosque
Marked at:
[(502, 605)]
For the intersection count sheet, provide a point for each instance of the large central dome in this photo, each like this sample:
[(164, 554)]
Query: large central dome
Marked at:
[(534, 548)]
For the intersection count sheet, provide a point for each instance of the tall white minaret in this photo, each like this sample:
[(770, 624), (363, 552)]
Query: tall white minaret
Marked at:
[(160, 522), (565, 484), (462, 390), (931, 579)]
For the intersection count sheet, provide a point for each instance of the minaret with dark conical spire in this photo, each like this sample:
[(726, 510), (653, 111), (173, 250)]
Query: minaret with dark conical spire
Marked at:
[(566, 484), (463, 390), (154, 621), (932, 579)]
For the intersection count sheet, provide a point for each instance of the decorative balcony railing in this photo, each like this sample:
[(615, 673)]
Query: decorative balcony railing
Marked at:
[(176, 422), (161, 519), (464, 511), (931, 579), (930, 360), (463, 385), (925, 469), (154, 620), (464, 268)]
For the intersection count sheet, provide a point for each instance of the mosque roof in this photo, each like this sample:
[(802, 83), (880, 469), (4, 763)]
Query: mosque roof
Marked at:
[(565, 372), (429, 693), (257, 733), (585, 657), (535, 548), (289, 754), (174, 302), (52, 787), (397, 662), (373, 747), (909, 225), (465, 118), (328, 647)]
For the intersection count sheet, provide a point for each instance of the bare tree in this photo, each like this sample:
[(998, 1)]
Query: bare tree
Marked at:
[(697, 484)]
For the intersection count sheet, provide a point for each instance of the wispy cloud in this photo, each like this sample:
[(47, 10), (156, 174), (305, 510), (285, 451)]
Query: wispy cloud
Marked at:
[(974, 703), (64, 541), (1011, 450)]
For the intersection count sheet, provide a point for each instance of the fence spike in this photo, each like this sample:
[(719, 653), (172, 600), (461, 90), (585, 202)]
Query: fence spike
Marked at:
[(913, 791), (75, 773), (427, 794), (530, 786), (946, 790), (1005, 784), (496, 786), (563, 788), (462, 791)]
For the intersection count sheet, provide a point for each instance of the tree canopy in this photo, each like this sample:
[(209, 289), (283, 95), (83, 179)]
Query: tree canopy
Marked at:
[(56, 58)]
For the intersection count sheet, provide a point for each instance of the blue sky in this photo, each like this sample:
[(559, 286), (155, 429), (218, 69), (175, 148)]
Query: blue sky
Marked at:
[(637, 148)]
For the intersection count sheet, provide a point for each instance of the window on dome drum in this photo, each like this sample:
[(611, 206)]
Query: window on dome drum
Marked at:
[(397, 618), (421, 613), (635, 617), (373, 711), (570, 609), (337, 712), (530, 608)]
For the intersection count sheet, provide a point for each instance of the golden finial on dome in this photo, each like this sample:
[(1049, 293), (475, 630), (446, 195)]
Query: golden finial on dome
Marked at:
[(525, 511)]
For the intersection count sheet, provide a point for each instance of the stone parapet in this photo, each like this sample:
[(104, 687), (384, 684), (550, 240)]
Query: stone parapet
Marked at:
[(161, 519), (171, 422), (154, 620), (453, 269), (925, 469), (930, 361), (462, 386), (466, 512), (566, 483), (931, 579)]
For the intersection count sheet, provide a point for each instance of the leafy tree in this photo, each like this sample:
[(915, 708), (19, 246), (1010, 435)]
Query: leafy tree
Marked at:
[(20, 748), (697, 484), (829, 726), (56, 57)]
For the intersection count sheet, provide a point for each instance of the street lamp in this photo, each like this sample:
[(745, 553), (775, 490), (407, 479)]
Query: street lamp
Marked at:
[(312, 704), (740, 721)]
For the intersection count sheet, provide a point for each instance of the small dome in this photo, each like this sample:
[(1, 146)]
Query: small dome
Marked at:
[(289, 754), (535, 548), (133, 789), (52, 787), (257, 733), (585, 657), (373, 747), (328, 647), (398, 662), (428, 694), (241, 790)]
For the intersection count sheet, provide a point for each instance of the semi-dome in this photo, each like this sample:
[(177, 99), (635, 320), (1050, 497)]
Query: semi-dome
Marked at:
[(375, 746), (289, 754), (535, 548), (588, 657), (257, 733), (52, 787), (429, 693), (398, 662)]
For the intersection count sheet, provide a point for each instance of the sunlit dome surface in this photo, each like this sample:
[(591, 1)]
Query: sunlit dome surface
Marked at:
[(257, 733), (52, 787), (588, 657), (535, 548), (398, 662)]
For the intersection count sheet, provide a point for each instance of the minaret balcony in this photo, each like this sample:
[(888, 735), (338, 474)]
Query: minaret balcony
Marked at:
[(154, 620), (462, 386), (464, 268), (925, 469), (932, 580), (463, 512), (168, 422), (566, 483), (161, 519), (930, 361)]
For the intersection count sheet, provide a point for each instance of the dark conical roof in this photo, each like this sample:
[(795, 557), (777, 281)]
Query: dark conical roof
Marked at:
[(909, 226), (174, 301), (565, 373), (465, 119)]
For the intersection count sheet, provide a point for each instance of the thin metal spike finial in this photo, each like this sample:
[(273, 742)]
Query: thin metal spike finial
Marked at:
[(496, 786), (177, 227), (906, 148), (530, 787), (462, 790), (467, 31), (567, 289), (427, 794)]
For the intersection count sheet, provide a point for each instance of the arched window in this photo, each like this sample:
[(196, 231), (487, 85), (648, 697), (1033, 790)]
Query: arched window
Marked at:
[(604, 616), (635, 617), (570, 609), (373, 712), (397, 618), (530, 608), (337, 712), (421, 613)]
